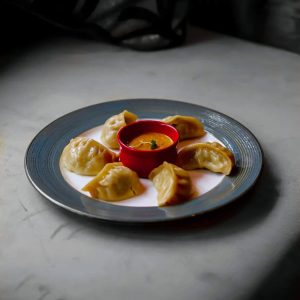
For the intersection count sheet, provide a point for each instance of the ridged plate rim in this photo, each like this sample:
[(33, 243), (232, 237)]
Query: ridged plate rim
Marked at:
[(43, 153)]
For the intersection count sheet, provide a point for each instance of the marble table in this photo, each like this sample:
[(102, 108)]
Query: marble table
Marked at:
[(247, 250)]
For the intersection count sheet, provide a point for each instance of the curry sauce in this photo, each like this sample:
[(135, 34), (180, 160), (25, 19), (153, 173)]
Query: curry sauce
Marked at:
[(150, 141)]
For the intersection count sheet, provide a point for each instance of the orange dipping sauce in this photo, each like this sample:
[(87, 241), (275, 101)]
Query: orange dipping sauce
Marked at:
[(150, 141)]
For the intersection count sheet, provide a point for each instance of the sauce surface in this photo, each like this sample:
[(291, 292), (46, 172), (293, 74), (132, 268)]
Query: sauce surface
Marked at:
[(150, 141)]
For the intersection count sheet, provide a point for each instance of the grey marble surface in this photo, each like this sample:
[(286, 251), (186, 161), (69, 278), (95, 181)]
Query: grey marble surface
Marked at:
[(248, 250)]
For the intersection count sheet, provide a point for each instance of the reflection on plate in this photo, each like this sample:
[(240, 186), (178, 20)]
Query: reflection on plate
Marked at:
[(64, 188)]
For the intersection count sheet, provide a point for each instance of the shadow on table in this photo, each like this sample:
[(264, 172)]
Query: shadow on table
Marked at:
[(197, 35), (283, 281), (239, 216), (12, 53)]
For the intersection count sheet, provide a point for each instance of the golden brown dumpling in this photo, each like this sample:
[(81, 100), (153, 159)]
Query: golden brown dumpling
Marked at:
[(211, 156), (86, 156), (114, 182), (173, 184), (112, 126), (187, 126)]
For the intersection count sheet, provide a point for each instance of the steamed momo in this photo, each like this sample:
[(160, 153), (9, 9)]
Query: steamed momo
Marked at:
[(172, 183), (112, 126), (211, 156), (86, 156), (187, 126), (114, 182)]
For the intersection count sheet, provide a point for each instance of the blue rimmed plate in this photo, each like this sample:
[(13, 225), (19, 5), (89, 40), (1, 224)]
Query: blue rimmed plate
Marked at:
[(43, 155)]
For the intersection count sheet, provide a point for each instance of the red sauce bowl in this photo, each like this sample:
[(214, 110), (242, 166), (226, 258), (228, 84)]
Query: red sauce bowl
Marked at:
[(144, 161)]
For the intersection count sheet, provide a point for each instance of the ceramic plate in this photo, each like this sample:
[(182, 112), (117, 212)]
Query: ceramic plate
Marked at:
[(62, 188)]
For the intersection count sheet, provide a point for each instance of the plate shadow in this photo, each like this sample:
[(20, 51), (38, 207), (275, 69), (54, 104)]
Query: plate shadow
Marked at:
[(282, 282), (240, 215)]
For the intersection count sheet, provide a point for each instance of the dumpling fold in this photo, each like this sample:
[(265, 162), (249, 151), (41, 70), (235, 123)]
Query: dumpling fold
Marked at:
[(85, 156), (211, 156), (113, 125), (188, 127), (173, 184), (114, 182)]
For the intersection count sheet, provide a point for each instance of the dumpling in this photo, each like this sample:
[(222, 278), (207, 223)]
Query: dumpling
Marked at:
[(187, 126), (172, 183), (86, 156), (112, 126), (211, 156), (114, 182)]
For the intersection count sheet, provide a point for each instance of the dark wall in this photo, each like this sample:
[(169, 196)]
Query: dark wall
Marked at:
[(273, 22)]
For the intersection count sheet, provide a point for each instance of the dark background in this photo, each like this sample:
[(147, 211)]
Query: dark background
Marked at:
[(271, 22)]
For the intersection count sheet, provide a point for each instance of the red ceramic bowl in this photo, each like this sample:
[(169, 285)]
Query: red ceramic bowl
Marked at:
[(144, 161)]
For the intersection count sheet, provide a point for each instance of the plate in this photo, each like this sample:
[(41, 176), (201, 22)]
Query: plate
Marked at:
[(43, 156)]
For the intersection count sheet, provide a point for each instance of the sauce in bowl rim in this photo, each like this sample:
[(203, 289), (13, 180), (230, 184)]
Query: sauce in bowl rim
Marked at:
[(124, 143), (150, 140)]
